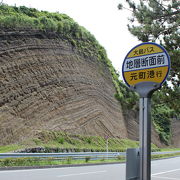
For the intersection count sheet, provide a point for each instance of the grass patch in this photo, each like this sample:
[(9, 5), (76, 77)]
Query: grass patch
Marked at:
[(15, 162), (64, 142), (170, 149), (56, 141), (10, 148), (161, 156)]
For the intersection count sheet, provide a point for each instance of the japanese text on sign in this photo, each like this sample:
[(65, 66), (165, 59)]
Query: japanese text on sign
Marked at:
[(145, 75), (141, 52), (143, 62)]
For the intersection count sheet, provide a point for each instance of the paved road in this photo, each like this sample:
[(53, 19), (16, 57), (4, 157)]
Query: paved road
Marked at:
[(168, 169)]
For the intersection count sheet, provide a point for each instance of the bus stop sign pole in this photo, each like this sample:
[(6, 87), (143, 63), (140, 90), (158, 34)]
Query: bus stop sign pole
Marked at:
[(145, 139), (145, 90), (145, 68)]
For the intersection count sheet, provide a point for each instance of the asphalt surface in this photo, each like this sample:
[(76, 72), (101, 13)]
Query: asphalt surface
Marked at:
[(167, 169)]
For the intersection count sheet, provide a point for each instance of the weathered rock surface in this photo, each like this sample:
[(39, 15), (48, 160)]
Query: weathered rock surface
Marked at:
[(132, 124), (45, 84), (175, 129)]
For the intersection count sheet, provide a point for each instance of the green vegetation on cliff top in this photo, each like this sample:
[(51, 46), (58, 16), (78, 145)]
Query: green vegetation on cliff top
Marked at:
[(23, 18)]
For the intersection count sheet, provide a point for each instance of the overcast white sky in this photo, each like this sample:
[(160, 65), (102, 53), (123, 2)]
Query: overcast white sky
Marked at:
[(101, 17)]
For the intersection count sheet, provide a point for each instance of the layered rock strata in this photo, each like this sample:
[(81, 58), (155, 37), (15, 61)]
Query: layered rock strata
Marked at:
[(45, 84), (175, 129), (132, 124)]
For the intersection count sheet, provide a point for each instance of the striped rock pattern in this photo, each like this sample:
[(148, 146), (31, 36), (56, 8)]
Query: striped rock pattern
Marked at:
[(175, 129), (45, 84)]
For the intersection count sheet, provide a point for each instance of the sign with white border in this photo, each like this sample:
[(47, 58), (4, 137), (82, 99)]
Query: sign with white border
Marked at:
[(146, 62)]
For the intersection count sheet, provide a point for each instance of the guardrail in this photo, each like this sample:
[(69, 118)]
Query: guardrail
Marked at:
[(93, 155), (77, 155)]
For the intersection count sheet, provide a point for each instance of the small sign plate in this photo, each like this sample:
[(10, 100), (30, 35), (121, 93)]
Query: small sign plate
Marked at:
[(146, 62)]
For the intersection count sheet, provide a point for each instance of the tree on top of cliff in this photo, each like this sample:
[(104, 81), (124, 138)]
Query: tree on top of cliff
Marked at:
[(159, 21), (155, 21)]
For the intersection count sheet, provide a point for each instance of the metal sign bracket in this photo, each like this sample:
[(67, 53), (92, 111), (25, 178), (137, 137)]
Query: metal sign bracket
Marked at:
[(145, 89)]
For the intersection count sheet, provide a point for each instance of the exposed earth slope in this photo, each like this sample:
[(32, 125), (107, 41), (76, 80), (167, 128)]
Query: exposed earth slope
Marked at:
[(46, 84)]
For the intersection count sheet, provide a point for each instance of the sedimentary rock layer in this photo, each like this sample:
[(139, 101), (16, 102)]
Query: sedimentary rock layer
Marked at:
[(175, 128), (45, 84), (132, 124)]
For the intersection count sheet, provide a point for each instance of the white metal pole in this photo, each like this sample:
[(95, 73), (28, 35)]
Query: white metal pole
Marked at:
[(107, 147)]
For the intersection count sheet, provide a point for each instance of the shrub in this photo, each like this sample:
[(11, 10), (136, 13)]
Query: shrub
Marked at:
[(89, 140), (69, 160), (120, 158), (60, 140), (87, 159)]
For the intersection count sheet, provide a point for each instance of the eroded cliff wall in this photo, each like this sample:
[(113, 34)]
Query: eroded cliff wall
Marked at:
[(45, 84), (175, 129), (132, 124)]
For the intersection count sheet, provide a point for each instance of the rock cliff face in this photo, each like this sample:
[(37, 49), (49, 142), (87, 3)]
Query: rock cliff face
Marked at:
[(175, 128), (45, 84), (132, 124)]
